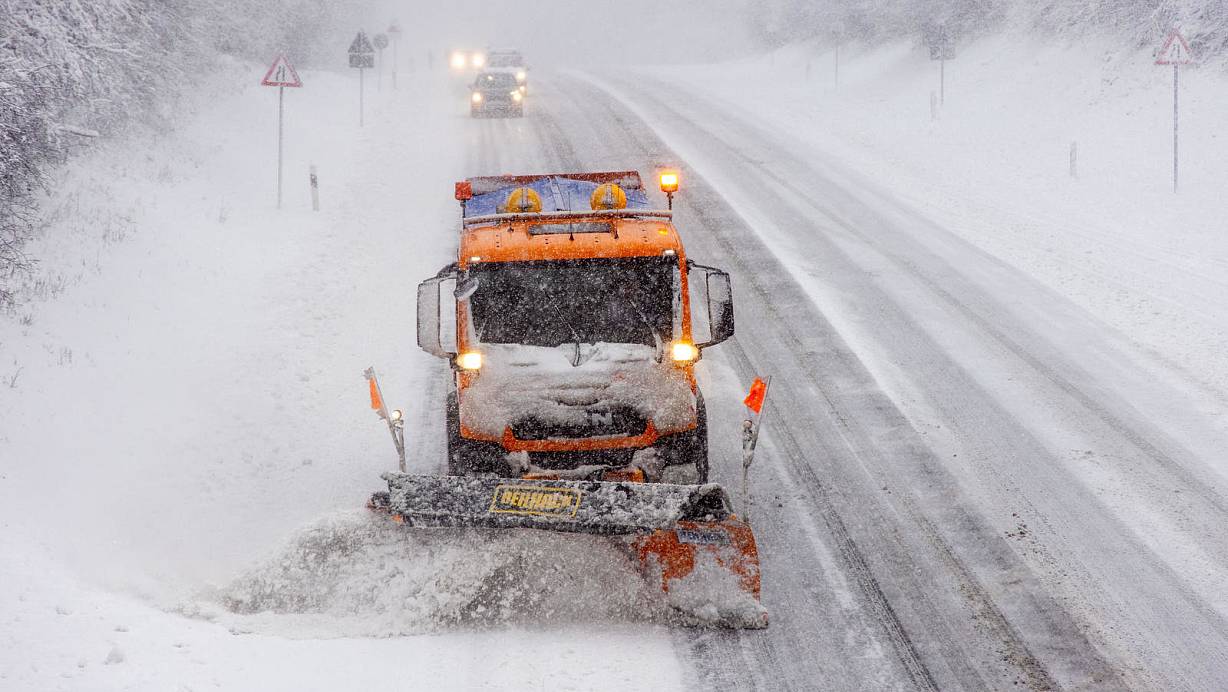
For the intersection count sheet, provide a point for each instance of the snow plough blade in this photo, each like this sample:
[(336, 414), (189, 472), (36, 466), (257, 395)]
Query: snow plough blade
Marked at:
[(685, 536)]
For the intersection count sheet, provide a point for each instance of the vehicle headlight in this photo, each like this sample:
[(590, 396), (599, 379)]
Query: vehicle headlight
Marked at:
[(479, 59), (469, 361), (516, 96), (477, 97), (521, 76), (458, 61), (682, 352)]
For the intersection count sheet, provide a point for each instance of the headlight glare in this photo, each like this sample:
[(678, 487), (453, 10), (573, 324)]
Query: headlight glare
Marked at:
[(682, 352)]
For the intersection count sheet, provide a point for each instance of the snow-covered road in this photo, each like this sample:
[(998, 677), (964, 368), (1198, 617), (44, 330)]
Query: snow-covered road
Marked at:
[(1015, 493), (966, 481)]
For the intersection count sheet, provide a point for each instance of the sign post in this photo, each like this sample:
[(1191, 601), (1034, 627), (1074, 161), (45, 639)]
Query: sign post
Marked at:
[(394, 30), (381, 42), (939, 40), (1175, 52), (362, 57), (838, 35), (281, 75)]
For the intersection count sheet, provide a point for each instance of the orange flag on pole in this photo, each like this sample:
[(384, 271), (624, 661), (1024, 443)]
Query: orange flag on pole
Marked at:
[(754, 400), (377, 402)]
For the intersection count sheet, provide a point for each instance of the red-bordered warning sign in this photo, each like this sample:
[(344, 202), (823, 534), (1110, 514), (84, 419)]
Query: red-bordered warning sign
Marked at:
[(1176, 50), (281, 74)]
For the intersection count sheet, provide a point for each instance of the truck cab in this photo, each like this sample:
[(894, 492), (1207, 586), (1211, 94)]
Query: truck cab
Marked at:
[(511, 62), (573, 320)]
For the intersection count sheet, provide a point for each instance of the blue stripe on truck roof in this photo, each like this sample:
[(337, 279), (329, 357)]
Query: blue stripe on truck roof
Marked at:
[(558, 194)]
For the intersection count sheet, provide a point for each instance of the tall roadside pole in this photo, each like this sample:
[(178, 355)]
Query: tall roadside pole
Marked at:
[(281, 75), (939, 40), (362, 57), (394, 31), (837, 29), (1175, 52)]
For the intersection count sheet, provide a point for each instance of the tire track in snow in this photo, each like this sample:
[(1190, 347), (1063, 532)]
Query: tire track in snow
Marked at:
[(701, 644)]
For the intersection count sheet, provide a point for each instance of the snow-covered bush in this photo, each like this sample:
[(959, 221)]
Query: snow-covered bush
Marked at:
[(68, 69), (1142, 23), (74, 70)]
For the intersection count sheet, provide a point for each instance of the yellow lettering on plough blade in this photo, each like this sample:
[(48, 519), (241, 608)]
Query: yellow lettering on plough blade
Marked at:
[(536, 501)]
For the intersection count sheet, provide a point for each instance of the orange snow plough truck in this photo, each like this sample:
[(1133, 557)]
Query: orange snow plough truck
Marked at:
[(572, 320)]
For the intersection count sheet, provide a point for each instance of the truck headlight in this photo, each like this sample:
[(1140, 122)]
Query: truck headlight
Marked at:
[(469, 361), (458, 61), (479, 60), (517, 96), (682, 352), (477, 97), (521, 76)]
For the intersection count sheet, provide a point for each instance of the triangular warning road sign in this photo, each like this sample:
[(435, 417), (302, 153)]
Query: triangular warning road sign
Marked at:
[(1175, 51), (361, 44), (281, 74)]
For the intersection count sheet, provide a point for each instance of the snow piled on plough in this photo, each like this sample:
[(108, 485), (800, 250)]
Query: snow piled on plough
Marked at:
[(357, 574)]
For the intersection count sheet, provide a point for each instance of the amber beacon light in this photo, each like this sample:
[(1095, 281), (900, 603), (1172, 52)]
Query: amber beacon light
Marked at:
[(669, 185)]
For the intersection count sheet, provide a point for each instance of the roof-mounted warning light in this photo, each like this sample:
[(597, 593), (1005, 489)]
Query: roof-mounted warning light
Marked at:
[(464, 193), (669, 185)]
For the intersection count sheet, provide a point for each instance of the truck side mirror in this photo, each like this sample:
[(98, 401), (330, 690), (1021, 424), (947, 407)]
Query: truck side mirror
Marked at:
[(720, 307), (710, 291), (434, 315)]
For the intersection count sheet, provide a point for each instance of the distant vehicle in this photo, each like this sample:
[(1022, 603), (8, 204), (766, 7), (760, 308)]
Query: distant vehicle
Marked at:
[(510, 61), (496, 93), (467, 61)]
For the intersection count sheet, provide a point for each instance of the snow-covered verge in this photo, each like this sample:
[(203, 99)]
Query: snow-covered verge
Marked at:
[(994, 166), (73, 74), (185, 441)]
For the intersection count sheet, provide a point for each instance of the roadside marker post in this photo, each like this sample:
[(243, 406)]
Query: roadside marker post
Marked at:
[(1175, 52), (362, 57), (315, 187), (394, 30), (281, 74)]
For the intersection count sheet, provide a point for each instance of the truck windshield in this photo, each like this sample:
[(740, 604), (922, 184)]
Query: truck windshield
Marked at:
[(505, 60), (625, 300)]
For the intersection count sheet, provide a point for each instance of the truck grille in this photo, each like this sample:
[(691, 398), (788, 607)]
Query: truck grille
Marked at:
[(618, 422)]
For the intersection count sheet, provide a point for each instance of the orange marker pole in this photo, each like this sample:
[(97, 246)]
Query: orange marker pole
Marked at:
[(396, 426), (755, 402)]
